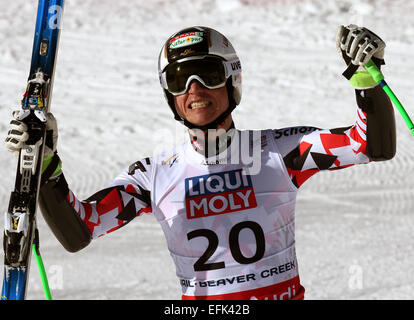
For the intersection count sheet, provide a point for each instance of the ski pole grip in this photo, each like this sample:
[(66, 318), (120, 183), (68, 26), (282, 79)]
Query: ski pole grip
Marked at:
[(373, 70)]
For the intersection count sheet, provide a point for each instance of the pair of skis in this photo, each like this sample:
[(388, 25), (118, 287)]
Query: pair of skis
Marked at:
[(20, 232)]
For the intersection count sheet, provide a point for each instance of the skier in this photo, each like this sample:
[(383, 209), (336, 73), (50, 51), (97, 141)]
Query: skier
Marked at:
[(228, 217)]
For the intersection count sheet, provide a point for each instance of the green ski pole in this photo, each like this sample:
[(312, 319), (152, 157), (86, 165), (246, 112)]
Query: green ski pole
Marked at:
[(378, 77), (41, 266)]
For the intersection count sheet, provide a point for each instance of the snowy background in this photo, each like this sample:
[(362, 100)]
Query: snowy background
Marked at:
[(353, 227)]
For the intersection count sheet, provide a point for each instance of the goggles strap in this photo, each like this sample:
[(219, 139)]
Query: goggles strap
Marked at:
[(232, 67)]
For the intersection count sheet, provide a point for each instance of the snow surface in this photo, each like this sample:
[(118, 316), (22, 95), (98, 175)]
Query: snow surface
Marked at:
[(353, 226)]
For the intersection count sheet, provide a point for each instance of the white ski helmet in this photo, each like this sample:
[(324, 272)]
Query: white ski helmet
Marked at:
[(203, 54)]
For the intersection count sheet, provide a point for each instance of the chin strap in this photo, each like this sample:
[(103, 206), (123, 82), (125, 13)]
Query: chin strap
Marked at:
[(212, 125)]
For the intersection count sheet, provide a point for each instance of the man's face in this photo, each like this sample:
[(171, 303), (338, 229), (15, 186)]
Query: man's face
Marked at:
[(200, 105)]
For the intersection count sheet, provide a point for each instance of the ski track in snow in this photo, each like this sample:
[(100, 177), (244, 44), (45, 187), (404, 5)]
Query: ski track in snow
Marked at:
[(108, 103)]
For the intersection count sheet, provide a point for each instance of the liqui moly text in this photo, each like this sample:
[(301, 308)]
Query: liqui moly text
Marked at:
[(218, 193)]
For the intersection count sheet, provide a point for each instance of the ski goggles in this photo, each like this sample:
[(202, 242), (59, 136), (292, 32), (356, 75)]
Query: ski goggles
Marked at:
[(211, 72)]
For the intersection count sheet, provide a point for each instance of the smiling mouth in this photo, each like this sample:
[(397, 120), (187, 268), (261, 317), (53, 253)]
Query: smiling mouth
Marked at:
[(198, 105)]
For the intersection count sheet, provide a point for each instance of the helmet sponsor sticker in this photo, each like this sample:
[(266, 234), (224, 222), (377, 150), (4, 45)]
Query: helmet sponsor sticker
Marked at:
[(186, 39)]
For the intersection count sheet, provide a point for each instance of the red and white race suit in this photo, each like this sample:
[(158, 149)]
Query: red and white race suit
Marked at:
[(230, 229)]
